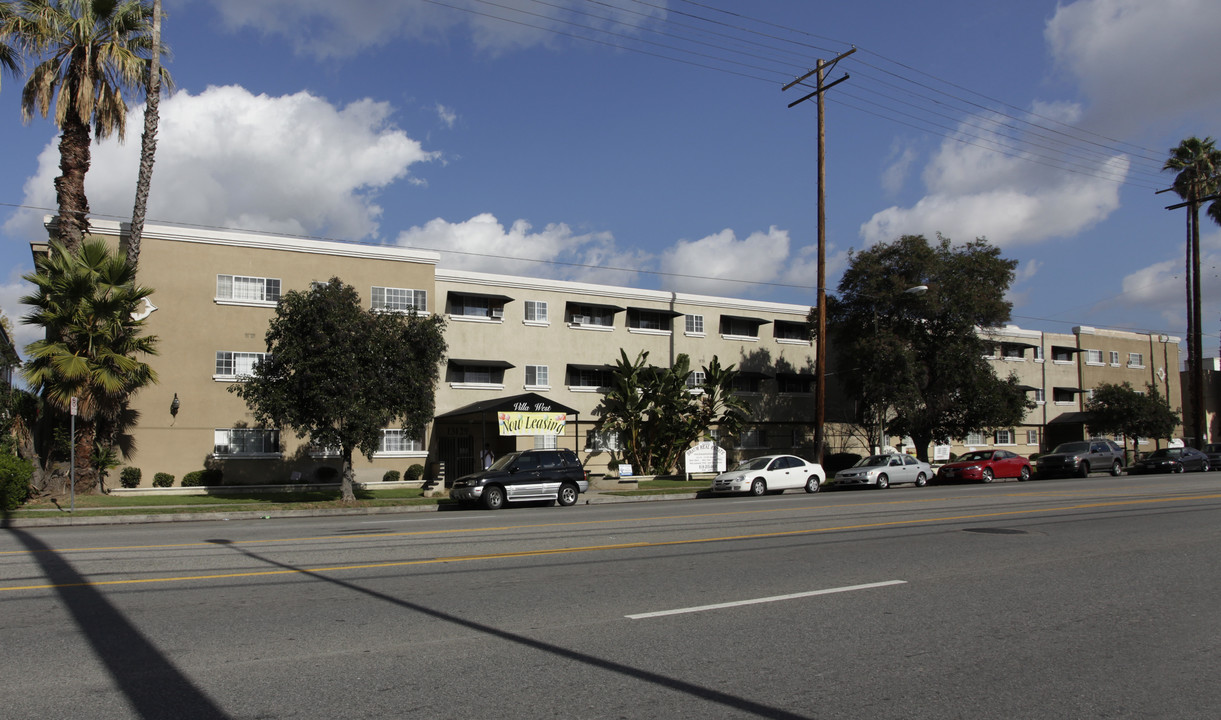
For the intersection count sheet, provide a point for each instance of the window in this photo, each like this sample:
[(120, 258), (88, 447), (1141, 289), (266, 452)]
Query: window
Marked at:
[(791, 383), (1093, 357), (465, 372), (751, 438), (476, 306), (1038, 353), (1013, 352), (695, 379), (1062, 354), (599, 316), (974, 439), (601, 441), (544, 442), (536, 311), (248, 289), (536, 376), (237, 364), (791, 332), (740, 327), (1004, 437), (1063, 395), (746, 383), (695, 324), (399, 299), (1115, 358), (588, 378), (642, 319), (1136, 360), (1032, 437), (1040, 395), (398, 441), (246, 441)]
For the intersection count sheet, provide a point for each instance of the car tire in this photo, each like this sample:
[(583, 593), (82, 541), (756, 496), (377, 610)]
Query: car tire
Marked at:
[(921, 480), (1083, 470), (1116, 469), (883, 481), (1204, 466), (986, 475), (1024, 475), (1178, 468), (758, 487), (813, 484), (567, 495), (493, 497)]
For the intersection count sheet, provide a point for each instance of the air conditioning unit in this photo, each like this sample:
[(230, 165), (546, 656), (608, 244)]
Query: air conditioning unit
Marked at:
[(581, 319), (498, 312)]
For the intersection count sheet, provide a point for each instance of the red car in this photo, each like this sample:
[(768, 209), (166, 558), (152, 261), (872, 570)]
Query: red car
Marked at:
[(984, 465)]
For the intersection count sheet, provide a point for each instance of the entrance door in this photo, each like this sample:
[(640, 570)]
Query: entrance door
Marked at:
[(458, 454)]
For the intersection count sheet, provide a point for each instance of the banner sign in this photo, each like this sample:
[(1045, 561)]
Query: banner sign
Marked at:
[(531, 423)]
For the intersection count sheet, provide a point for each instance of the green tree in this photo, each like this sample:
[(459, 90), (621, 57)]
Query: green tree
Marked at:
[(657, 415), (88, 53), (1117, 410), (339, 374), (85, 301), (916, 359), (1197, 164)]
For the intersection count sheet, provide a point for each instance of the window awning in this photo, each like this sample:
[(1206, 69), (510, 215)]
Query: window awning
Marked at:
[(577, 366), (745, 319), (665, 312), (1070, 390), (581, 304), (1027, 388), (754, 375), (489, 296), (1065, 348), (481, 363), (532, 402), (794, 376), (1014, 343)]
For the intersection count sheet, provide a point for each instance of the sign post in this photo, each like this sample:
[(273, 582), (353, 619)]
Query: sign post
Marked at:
[(72, 456)]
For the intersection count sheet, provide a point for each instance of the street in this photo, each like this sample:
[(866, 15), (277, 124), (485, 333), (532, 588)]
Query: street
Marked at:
[(1081, 598)]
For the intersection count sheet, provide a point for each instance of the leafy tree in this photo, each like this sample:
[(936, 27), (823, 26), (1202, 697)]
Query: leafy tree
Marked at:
[(1197, 163), (916, 359), (84, 301), (339, 374), (657, 416), (88, 53), (1123, 411)]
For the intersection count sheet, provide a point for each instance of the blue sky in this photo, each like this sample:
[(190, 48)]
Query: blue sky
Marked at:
[(648, 143)]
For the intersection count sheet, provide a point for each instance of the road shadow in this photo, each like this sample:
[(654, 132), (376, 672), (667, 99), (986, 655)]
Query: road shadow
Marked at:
[(730, 701), (153, 687)]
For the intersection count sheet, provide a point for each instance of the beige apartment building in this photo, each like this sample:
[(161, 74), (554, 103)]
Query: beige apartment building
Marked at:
[(516, 345)]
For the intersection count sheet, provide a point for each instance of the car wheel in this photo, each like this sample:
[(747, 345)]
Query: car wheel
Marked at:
[(986, 475), (812, 484), (758, 487), (921, 481), (493, 497), (1178, 468), (883, 481), (1204, 466), (1116, 469), (1024, 475), (1083, 470), (568, 495)]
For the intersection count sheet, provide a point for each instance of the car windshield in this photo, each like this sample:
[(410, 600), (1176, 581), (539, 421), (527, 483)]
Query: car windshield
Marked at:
[(1163, 453), (873, 461), (977, 455), (759, 463), (1073, 447), (503, 461)]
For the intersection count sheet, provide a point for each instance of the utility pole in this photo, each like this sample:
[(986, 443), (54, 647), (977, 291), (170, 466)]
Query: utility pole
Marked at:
[(820, 341)]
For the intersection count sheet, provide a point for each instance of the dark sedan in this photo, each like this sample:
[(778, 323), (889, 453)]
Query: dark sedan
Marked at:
[(1171, 460)]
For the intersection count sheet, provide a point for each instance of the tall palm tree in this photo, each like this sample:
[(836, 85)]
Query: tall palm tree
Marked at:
[(148, 143), (1197, 163), (10, 55), (88, 53), (85, 299)]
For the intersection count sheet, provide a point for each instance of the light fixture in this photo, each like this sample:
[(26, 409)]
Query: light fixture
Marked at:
[(174, 405)]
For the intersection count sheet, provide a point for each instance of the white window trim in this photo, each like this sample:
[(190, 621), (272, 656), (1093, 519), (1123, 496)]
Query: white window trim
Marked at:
[(1012, 441), (644, 331), (476, 386), (584, 388), (475, 319), (790, 341), (246, 456), (591, 326), (740, 338), (536, 323), (694, 334)]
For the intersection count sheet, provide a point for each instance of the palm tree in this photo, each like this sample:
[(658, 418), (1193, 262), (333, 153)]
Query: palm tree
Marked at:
[(89, 52), (1197, 163), (148, 143), (85, 300), (10, 56)]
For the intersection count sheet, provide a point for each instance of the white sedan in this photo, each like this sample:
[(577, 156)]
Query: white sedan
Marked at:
[(882, 471), (770, 473)]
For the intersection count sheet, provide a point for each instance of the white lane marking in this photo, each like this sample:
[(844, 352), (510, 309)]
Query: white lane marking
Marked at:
[(756, 601)]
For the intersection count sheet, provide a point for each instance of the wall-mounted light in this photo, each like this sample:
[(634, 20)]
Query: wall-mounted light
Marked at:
[(174, 406)]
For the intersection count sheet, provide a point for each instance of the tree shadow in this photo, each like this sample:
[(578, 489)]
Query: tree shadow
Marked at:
[(154, 688), (715, 696)]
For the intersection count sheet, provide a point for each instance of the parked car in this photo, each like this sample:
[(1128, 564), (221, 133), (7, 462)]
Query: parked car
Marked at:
[(1213, 451), (882, 471), (770, 473), (525, 475), (1172, 460), (984, 466), (1082, 457)]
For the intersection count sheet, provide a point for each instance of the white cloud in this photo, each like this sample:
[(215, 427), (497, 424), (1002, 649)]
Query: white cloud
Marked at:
[(483, 244), (227, 157), (447, 116), (1140, 62), (721, 264), (12, 288), (328, 29), (899, 166), (1161, 287)]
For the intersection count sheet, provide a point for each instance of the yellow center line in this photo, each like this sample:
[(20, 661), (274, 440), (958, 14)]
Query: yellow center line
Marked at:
[(618, 546)]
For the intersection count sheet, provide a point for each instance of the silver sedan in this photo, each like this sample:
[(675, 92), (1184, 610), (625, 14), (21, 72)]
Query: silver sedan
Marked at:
[(882, 471)]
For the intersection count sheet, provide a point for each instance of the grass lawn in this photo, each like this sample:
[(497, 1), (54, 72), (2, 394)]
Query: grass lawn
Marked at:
[(87, 505)]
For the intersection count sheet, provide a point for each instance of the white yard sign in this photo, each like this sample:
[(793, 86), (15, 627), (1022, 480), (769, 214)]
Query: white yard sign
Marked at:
[(705, 457)]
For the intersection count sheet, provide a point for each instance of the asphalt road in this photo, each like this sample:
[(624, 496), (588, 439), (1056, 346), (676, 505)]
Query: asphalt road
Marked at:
[(1093, 598)]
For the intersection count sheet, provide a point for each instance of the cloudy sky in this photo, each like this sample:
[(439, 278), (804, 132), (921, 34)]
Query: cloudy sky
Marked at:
[(648, 142)]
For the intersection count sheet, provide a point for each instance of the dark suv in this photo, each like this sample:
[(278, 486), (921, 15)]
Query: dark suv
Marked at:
[(1081, 458), (525, 475)]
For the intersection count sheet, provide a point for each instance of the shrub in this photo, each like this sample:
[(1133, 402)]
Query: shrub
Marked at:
[(391, 476), (415, 472), (203, 478), (163, 480), (130, 477), (15, 476)]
